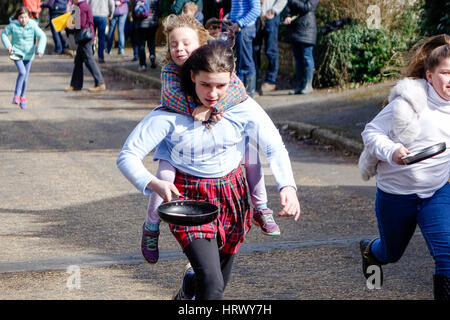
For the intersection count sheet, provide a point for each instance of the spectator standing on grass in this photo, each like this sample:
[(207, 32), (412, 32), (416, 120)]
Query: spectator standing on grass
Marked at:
[(267, 32), (102, 11), (302, 31), (55, 9), (244, 14), (118, 19)]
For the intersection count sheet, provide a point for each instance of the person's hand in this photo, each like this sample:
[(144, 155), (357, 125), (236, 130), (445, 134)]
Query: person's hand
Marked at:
[(399, 154), (163, 188), (10, 49), (270, 14), (39, 55), (288, 20), (236, 28), (202, 113), (290, 206), (216, 117)]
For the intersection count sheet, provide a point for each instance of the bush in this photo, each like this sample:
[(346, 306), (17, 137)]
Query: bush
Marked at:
[(357, 54), (435, 17)]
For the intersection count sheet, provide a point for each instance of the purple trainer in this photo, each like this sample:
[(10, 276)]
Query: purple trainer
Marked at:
[(149, 245), (264, 219)]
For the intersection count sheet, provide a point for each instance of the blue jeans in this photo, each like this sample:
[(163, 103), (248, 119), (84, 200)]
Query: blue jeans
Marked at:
[(245, 65), (268, 34), (120, 22), (100, 25), (304, 60), (58, 39), (398, 216), (23, 66)]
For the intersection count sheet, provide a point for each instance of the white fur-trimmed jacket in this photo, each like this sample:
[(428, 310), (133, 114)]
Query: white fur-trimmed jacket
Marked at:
[(405, 128)]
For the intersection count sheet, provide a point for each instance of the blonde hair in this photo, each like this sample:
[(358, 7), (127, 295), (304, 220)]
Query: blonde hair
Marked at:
[(418, 66), (190, 7), (173, 21)]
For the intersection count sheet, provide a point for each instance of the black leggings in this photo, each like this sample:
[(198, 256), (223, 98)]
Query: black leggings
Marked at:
[(212, 269)]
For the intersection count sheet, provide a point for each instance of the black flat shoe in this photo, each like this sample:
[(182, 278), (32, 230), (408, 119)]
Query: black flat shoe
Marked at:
[(368, 259)]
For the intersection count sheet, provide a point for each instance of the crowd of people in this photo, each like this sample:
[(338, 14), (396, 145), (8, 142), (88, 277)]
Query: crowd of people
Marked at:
[(254, 22), (209, 75)]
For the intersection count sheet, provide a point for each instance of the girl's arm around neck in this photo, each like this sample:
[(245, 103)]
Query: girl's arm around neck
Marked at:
[(172, 96)]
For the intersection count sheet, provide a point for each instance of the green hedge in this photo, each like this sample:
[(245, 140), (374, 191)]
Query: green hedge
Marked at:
[(435, 17), (356, 54)]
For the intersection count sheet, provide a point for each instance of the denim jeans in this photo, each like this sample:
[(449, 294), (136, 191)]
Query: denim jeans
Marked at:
[(245, 65), (268, 35), (100, 27), (398, 216), (58, 39), (23, 66), (120, 22), (303, 55)]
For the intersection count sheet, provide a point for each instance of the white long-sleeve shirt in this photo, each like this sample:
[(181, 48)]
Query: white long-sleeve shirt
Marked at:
[(209, 153), (422, 178)]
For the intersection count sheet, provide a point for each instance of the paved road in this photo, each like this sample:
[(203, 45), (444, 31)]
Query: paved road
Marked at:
[(63, 202)]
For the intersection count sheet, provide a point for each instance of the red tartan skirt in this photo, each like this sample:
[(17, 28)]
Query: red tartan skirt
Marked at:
[(229, 193)]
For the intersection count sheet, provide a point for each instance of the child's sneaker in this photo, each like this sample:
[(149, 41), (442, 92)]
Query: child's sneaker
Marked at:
[(264, 219), (149, 245), (23, 103), (181, 294), (16, 100)]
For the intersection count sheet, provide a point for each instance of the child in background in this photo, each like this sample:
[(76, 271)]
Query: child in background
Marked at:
[(23, 32), (417, 116), (214, 27), (192, 9), (185, 34)]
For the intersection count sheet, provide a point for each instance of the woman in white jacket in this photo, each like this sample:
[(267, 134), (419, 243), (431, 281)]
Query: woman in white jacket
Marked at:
[(417, 116)]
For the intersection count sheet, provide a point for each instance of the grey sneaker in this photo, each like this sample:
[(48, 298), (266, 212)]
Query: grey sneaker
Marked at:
[(181, 294), (264, 219)]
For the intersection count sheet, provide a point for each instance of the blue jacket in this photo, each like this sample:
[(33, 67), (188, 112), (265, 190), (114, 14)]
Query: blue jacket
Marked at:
[(23, 38)]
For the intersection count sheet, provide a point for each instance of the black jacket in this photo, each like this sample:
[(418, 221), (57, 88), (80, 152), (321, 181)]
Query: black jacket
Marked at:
[(303, 28)]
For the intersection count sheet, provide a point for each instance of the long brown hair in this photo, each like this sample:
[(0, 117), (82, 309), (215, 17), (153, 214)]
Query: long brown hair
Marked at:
[(21, 11), (422, 51), (174, 21), (215, 56)]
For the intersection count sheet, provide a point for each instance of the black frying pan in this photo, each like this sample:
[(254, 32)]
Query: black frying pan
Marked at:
[(424, 153), (188, 212)]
